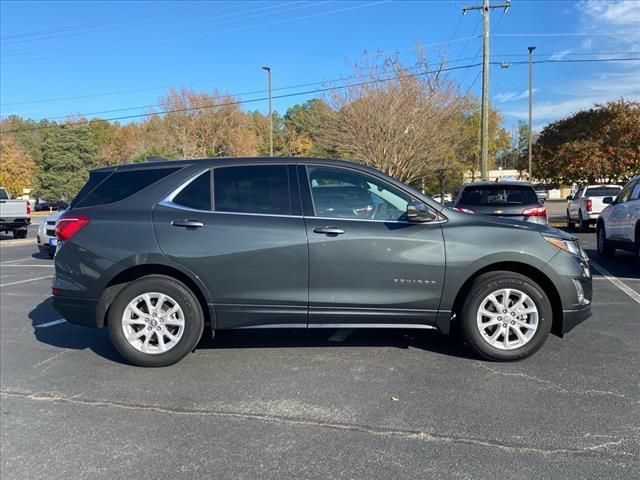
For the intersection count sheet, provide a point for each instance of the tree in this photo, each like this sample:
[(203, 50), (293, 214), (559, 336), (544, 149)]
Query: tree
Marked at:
[(305, 124), (599, 144), (203, 125), (399, 122), (68, 153), (16, 166)]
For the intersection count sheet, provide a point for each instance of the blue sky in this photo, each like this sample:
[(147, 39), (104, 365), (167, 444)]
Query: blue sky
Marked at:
[(61, 58)]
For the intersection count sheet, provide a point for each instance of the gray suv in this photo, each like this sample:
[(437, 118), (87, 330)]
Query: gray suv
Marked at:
[(159, 252)]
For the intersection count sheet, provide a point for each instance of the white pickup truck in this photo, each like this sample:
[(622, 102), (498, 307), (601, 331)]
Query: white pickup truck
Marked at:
[(15, 215), (585, 206)]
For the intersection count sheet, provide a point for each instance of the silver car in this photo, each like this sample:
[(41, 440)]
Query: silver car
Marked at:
[(46, 236)]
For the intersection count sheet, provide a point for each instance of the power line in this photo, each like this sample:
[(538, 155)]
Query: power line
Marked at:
[(298, 66), (253, 100)]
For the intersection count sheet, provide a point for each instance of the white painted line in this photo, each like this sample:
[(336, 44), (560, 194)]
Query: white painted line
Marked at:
[(50, 324), (25, 281), (8, 243), (18, 260), (25, 266), (341, 335), (617, 282)]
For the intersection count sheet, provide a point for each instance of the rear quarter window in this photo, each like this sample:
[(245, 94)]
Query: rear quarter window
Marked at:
[(121, 185)]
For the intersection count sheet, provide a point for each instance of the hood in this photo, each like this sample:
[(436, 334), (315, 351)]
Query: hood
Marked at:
[(517, 224)]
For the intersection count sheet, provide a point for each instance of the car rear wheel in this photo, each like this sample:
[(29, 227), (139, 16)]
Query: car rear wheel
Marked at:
[(605, 249), (570, 223), (584, 226), (506, 316), (155, 321), (20, 233)]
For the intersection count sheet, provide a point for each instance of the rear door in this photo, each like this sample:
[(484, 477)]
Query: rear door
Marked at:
[(367, 263), (246, 241), (620, 218)]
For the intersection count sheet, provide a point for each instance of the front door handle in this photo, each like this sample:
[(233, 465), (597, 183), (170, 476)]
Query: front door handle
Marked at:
[(187, 223), (328, 230)]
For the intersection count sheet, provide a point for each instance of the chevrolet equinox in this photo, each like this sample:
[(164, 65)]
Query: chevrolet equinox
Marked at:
[(160, 251)]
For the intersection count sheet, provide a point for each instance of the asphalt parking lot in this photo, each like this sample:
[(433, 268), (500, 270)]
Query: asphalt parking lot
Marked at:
[(317, 404)]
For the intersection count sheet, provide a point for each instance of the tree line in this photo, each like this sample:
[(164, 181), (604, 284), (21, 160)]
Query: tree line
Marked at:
[(412, 122)]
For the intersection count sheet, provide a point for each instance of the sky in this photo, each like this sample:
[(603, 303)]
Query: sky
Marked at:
[(81, 57)]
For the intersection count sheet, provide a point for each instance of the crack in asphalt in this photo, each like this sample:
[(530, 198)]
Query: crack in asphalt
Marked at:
[(592, 451), (553, 386)]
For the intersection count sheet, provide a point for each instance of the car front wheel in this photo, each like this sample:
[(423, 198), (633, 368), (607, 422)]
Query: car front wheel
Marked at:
[(506, 316), (155, 321)]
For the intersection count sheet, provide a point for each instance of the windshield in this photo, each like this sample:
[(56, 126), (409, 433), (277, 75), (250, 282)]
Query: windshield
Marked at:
[(602, 191), (498, 195)]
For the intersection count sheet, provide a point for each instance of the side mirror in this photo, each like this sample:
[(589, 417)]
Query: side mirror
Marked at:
[(569, 197), (449, 204), (607, 200), (419, 212)]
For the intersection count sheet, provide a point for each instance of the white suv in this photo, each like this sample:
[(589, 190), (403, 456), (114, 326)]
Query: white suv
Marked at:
[(619, 223)]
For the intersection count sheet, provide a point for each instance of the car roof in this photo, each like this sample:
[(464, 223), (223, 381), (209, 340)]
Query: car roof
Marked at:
[(509, 183)]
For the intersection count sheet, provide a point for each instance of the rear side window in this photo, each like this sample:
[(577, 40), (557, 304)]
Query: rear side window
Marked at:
[(3, 194), (602, 191), (254, 189), (197, 194), (503, 195), (121, 185)]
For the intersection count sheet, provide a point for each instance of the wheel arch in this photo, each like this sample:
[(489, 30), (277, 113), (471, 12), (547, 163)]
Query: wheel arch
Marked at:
[(529, 271), (128, 275)]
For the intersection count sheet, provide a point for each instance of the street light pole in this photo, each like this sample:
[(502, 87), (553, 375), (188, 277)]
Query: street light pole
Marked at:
[(531, 49), (268, 70)]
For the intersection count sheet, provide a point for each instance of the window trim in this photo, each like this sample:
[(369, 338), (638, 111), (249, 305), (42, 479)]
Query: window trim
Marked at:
[(168, 200)]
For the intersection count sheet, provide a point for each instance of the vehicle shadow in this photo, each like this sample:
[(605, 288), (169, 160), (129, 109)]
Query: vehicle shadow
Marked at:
[(69, 336)]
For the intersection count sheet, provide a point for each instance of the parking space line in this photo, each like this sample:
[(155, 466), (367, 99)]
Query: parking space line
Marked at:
[(617, 282), (18, 260), (26, 266), (25, 281), (50, 324)]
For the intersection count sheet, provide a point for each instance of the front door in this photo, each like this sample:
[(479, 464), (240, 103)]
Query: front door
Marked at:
[(367, 263), (246, 242)]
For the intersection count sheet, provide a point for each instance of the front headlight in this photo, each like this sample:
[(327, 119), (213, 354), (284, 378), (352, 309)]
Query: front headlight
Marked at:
[(570, 246)]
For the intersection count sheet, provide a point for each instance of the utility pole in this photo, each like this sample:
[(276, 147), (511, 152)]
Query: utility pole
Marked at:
[(268, 70), (484, 137), (531, 49)]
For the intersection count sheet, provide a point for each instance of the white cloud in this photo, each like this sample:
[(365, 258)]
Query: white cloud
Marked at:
[(512, 96), (621, 18), (561, 54)]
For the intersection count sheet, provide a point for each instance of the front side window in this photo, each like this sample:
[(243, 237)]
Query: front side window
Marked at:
[(197, 194), (262, 189), (625, 194), (341, 193), (635, 195)]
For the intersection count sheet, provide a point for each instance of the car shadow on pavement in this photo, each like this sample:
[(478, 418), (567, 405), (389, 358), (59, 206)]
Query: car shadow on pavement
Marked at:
[(66, 335), (622, 264)]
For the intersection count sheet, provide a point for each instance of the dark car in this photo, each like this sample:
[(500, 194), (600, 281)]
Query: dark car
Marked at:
[(513, 200), (159, 252)]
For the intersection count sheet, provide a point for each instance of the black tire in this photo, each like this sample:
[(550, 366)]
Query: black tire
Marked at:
[(193, 320), (51, 254), (584, 226), (605, 249), (491, 282), (636, 243), (19, 234), (570, 223)]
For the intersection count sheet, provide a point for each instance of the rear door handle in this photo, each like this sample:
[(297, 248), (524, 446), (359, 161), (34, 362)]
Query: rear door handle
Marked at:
[(187, 223), (328, 230)]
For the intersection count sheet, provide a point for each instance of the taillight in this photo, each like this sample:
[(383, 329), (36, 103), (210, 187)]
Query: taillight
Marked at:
[(67, 227), (535, 212), (28, 208), (588, 204), (464, 210)]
